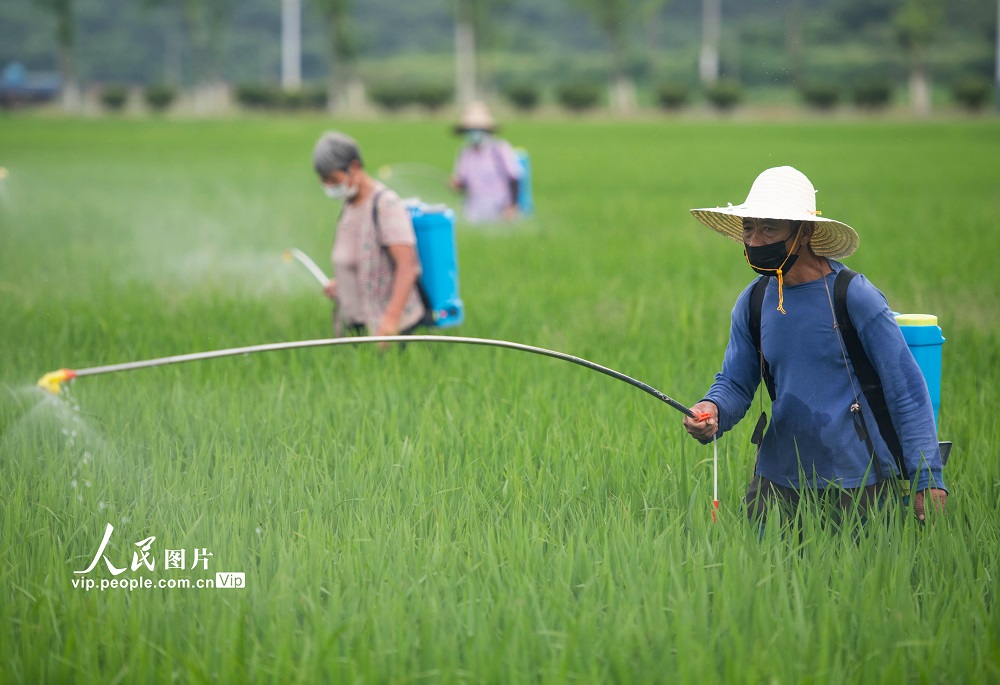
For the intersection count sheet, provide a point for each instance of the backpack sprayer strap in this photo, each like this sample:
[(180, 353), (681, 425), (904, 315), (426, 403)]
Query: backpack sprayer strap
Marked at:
[(766, 379), (851, 347), (840, 313), (871, 384), (512, 181), (428, 319)]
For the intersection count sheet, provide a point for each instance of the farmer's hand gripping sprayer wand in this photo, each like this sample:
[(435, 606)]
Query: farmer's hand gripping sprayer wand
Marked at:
[(54, 380)]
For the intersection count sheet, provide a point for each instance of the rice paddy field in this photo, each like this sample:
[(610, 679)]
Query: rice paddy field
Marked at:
[(455, 514)]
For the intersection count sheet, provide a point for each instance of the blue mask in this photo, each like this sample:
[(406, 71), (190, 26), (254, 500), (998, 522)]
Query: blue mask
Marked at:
[(475, 137)]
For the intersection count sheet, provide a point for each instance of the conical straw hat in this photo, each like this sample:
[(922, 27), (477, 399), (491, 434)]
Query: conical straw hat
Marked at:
[(476, 117), (783, 193)]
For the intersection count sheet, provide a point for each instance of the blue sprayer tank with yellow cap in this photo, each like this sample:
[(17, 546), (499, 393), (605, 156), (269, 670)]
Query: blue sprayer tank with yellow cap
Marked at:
[(434, 226), (923, 336)]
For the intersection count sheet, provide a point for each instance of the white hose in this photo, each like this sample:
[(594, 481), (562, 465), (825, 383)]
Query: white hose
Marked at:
[(308, 263)]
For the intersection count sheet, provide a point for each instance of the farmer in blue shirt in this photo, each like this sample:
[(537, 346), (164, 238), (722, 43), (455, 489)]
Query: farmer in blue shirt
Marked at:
[(812, 441)]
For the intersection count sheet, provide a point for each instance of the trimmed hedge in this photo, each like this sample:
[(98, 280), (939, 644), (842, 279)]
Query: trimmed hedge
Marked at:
[(672, 95), (972, 91), (725, 93), (524, 96), (396, 95), (820, 95), (578, 96), (872, 94), (114, 96), (159, 96), (268, 96)]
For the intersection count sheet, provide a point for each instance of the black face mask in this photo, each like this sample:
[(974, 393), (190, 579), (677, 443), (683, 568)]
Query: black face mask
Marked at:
[(768, 259)]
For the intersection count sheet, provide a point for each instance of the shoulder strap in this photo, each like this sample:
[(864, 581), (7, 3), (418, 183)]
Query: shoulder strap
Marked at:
[(756, 306), (378, 194), (498, 159), (871, 384), (424, 299), (512, 181)]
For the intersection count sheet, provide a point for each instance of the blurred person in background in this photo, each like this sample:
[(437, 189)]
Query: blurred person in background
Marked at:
[(823, 435), (487, 170), (375, 262)]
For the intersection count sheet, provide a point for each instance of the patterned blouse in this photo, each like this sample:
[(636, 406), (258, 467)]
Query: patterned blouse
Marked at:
[(362, 265)]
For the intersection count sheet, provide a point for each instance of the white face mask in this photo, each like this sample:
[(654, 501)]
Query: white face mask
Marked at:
[(339, 192)]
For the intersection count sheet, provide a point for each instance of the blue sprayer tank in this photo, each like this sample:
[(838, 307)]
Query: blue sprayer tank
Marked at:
[(923, 337), (434, 226), (525, 200)]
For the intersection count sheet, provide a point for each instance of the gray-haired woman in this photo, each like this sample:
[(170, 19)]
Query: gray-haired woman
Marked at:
[(375, 262)]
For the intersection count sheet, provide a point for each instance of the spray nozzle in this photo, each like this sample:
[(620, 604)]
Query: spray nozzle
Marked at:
[(53, 380)]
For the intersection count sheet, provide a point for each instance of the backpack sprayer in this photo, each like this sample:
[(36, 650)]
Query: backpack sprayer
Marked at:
[(54, 381), (434, 228)]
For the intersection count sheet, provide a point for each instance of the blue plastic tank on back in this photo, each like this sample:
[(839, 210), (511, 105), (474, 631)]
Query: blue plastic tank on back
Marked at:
[(525, 200), (923, 337), (434, 226)]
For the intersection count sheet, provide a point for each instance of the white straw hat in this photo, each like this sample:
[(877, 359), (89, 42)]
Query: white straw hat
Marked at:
[(476, 117), (783, 193)]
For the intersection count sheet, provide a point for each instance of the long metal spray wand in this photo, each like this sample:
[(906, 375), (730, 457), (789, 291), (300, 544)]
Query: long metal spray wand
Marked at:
[(54, 380)]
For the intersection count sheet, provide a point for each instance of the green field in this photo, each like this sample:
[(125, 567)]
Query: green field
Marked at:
[(454, 513)]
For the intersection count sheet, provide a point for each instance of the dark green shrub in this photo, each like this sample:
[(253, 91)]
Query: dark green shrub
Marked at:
[(394, 95), (257, 95), (114, 96), (433, 96), (972, 91), (160, 96), (310, 97), (314, 97), (725, 93), (672, 95), (820, 95), (578, 96), (271, 96), (523, 96), (290, 99), (873, 94), (391, 96)]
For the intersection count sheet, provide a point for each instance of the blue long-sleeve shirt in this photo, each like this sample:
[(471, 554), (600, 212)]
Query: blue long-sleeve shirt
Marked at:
[(811, 432)]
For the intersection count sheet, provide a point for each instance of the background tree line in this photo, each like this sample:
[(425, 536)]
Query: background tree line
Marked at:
[(473, 47)]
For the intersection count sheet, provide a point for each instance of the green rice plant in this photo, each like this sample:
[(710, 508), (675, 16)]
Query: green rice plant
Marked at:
[(454, 513)]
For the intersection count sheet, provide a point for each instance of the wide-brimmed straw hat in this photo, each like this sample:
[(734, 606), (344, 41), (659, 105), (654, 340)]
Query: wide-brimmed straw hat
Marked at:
[(783, 193), (476, 117)]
